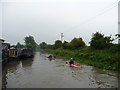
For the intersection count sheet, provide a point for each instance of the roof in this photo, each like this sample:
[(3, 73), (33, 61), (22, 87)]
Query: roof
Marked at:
[(12, 48), (2, 40)]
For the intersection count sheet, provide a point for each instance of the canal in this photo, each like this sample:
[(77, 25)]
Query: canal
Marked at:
[(39, 72)]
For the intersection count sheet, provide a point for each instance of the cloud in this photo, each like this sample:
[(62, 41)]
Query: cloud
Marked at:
[(45, 21), (58, 1)]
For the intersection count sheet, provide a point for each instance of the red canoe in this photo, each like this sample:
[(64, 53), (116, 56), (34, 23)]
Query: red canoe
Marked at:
[(73, 65)]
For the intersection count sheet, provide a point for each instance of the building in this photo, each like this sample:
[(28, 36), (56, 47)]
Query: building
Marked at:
[(1, 41), (4, 48)]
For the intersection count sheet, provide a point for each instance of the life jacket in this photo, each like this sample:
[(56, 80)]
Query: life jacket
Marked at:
[(71, 62)]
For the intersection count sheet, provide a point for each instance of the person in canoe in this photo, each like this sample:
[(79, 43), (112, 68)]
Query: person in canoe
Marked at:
[(53, 57), (50, 57), (71, 61)]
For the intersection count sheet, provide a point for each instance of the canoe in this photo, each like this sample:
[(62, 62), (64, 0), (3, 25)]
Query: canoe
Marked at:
[(73, 65), (51, 58)]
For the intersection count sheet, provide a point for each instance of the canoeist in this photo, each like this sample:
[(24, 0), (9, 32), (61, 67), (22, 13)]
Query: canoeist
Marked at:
[(71, 61), (50, 57)]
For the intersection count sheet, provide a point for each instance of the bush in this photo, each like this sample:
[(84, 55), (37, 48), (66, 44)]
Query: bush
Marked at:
[(99, 41), (99, 58), (58, 44), (77, 43)]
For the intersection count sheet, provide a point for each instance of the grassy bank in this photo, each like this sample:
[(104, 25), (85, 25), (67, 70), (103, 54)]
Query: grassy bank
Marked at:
[(105, 58)]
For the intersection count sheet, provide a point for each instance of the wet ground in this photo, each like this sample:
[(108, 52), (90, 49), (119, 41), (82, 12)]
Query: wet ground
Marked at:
[(39, 72)]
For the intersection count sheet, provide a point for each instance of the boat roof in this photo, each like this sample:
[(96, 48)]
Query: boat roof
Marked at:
[(2, 40)]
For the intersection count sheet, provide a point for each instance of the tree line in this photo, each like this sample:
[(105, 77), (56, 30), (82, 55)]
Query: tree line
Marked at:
[(29, 43), (98, 41), (101, 53)]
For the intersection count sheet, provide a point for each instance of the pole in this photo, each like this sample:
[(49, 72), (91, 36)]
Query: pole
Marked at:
[(62, 37)]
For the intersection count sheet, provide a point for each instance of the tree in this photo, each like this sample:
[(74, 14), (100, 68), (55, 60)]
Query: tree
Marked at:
[(58, 44), (43, 45), (118, 37), (77, 43), (99, 41), (64, 45), (49, 46), (30, 42), (20, 45), (68, 45)]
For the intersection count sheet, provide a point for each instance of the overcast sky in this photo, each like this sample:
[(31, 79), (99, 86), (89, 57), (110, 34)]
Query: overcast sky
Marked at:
[(45, 20)]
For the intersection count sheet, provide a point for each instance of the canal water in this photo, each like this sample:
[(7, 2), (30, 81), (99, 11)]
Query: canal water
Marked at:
[(39, 72)]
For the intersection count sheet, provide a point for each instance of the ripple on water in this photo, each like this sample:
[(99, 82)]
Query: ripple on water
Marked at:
[(44, 73)]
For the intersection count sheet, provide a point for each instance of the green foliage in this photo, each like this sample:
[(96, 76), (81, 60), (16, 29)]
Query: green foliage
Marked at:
[(30, 42), (74, 44), (77, 43), (20, 45), (58, 44), (68, 46), (64, 45), (104, 58), (43, 45), (99, 41), (101, 52), (49, 46)]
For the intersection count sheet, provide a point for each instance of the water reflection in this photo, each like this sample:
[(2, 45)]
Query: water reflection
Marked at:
[(105, 78), (10, 67), (40, 73), (14, 69), (97, 78), (27, 62), (103, 71)]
